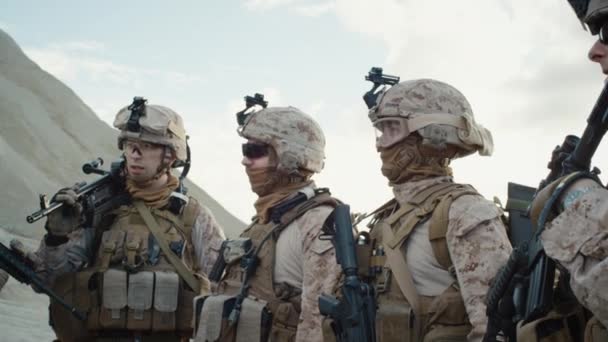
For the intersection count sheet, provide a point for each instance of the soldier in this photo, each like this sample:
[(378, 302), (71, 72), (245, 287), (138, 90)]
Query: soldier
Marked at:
[(136, 274), (437, 243), (577, 238), (279, 266)]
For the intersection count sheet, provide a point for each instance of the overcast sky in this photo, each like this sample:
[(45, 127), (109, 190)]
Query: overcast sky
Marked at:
[(522, 65)]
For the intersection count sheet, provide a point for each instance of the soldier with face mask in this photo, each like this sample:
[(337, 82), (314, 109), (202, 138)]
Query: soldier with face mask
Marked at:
[(577, 238), (437, 244), (136, 273), (279, 266)]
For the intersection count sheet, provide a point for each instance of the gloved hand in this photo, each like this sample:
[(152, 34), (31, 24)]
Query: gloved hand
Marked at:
[(63, 221), (583, 184)]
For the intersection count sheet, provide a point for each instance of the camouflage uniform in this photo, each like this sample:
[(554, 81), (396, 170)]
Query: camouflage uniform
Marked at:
[(423, 124), (578, 240), (294, 265), (88, 266)]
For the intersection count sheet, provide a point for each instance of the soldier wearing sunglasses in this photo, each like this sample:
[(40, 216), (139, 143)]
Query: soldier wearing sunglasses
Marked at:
[(577, 238), (277, 269)]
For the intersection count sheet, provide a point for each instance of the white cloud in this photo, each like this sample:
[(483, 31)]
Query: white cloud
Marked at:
[(266, 4), (305, 8), (315, 10), (73, 61), (83, 46)]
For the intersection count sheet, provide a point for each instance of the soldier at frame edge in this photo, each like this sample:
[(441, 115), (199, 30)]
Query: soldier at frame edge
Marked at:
[(117, 272), (437, 244), (288, 266), (577, 236)]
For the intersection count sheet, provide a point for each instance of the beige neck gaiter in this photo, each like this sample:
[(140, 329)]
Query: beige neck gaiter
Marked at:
[(404, 162), (157, 198), (272, 187)]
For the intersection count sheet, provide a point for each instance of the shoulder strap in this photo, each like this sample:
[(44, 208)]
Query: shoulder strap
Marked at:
[(422, 204), (191, 212), (398, 265), (323, 198), (439, 224), (155, 229)]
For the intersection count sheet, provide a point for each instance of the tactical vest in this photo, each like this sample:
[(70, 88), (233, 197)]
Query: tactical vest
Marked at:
[(402, 314), (131, 289), (271, 311)]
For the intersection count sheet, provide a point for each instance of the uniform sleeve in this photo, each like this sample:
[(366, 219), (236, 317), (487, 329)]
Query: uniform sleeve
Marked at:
[(321, 273), (578, 240), (478, 246), (71, 256), (207, 238)]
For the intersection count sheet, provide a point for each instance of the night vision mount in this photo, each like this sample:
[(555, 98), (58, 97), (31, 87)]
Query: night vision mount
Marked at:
[(376, 76), (250, 101), (138, 109)]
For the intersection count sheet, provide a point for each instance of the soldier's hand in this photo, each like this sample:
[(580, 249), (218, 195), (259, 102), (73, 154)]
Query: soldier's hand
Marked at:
[(63, 221), (541, 199)]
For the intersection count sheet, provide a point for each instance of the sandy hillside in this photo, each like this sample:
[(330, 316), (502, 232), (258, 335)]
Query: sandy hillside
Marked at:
[(46, 133)]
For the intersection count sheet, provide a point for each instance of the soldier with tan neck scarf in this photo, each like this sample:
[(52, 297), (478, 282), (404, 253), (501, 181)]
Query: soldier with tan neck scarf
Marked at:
[(279, 266), (437, 243), (136, 274)]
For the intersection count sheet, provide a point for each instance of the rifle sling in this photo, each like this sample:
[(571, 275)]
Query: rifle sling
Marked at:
[(155, 229)]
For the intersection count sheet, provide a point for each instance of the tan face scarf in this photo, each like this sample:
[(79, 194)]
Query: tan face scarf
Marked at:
[(404, 162), (157, 198), (272, 187)]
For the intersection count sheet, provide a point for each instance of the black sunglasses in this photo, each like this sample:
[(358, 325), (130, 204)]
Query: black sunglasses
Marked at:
[(255, 151)]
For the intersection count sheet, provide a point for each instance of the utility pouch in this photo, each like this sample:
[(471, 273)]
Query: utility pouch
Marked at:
[(255, 320), (284, 322), (139, 300), (394, 320), (185, 309), (211, 314), (165, 301), (448, 309), (111, 249), (113, 311)]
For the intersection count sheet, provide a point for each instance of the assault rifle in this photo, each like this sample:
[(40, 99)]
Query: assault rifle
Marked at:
[(523, 289), (354, 315), (96, 198), (15, 264)]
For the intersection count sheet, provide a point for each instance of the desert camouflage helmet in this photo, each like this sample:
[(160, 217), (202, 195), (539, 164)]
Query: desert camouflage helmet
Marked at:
[(591, 12), (152, 123), (296, 137), (438, 112)]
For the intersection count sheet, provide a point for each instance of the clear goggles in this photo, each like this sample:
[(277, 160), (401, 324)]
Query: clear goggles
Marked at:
[(390, 131)]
